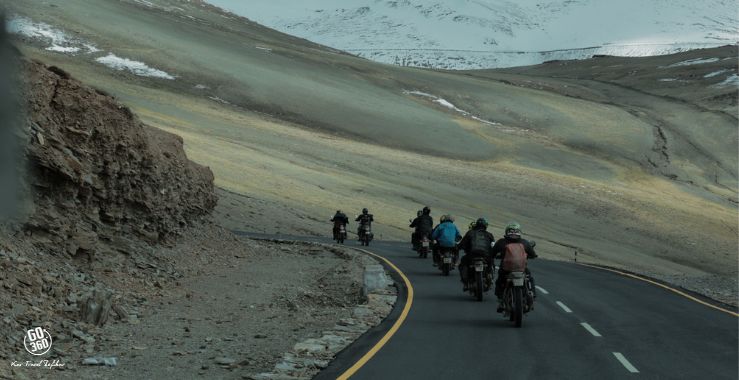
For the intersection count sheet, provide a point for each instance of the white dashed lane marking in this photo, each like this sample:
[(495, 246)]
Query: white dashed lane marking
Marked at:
[(629, 367), (590, 329), (564, 307), (544, 291)]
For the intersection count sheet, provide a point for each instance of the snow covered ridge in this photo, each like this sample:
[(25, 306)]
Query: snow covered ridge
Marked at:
[(471, 60), (472, 34), (60, 42)]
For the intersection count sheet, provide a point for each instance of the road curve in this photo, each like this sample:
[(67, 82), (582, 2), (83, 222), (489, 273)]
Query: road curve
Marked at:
[(587, 323), (590, 324)]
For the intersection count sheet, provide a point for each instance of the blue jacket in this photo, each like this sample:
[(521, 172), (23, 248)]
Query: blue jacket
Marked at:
[(446, 234)]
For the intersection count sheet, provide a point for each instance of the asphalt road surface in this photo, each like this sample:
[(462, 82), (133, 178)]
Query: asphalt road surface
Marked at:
[(588, 323)]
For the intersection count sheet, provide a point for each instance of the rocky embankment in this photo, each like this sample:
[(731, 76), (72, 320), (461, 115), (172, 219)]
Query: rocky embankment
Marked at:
[(103, 191), (116, 256), (99, 173)]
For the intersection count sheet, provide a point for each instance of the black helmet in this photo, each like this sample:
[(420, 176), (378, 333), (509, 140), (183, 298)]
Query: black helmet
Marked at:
[(426, 210), (419, 213), (482, 223), (365, 211), (338, 211)]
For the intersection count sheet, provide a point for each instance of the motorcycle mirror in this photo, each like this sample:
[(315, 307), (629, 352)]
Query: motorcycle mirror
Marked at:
[(533, 243)]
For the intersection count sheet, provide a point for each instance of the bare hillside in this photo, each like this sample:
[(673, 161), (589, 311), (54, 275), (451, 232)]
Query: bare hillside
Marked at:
[(628, 162)]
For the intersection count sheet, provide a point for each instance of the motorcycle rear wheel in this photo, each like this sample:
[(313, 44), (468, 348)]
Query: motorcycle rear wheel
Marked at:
[(518, 306), (478, 286), (508, 303)]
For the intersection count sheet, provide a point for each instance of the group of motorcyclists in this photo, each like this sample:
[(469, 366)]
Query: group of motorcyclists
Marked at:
[(364, 228), (477, 243)]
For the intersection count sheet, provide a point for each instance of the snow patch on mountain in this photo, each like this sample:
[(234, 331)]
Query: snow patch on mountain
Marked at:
[(471, 34), (696, 61), (715, 73), (56, 39), (731, 80), (138, 68), (447, 104)]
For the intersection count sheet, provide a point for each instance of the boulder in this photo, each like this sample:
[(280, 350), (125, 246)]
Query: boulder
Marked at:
[(374, 278)]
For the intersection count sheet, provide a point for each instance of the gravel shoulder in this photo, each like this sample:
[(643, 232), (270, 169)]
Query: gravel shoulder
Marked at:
[(235, 310)]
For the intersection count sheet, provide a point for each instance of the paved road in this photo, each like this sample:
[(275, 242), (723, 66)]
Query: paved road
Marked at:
[(588, 323)]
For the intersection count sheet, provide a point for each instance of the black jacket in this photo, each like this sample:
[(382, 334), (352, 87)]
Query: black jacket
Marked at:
[(424, 223), (364, 219), (465, 243), (340, 217)]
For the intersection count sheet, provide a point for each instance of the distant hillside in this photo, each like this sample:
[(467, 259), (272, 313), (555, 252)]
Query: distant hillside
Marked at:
[(497, 33)]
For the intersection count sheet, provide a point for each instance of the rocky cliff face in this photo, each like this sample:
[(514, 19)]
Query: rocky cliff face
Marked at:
[(98, 181), (98, 176)]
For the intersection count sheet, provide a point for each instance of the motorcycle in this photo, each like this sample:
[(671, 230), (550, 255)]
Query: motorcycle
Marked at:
[(340, 235), (448, 259), (365, 234), (518, 296), (414, 242), (424, 248), (479, 277)]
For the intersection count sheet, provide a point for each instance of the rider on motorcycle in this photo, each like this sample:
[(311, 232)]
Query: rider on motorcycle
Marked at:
[(339, 219), (423, 224), (413, 234), (364, 219), (511, 242), (476, 242), (434, 245), (446, 235)]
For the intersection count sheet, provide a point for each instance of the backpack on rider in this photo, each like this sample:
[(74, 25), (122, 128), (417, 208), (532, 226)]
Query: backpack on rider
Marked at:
[(479, 242), (515, 256)]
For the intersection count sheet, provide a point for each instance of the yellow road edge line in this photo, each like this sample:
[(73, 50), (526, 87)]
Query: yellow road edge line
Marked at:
[(688, 296), (403, 314)]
